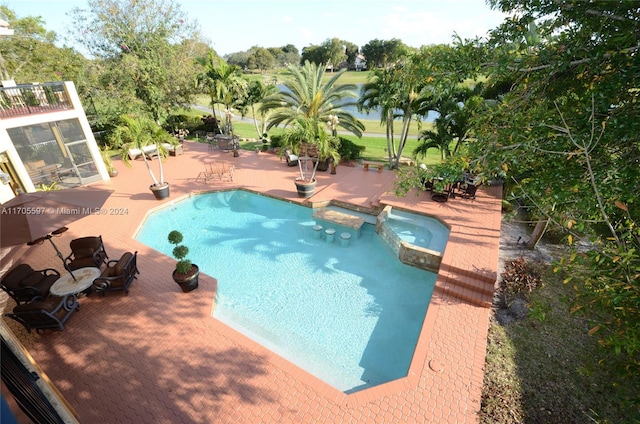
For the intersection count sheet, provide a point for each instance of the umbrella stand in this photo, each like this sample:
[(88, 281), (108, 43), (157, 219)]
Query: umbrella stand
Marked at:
[(58, 252)]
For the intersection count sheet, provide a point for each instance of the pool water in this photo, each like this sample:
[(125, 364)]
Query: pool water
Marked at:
[(419, 230), (350, 315)]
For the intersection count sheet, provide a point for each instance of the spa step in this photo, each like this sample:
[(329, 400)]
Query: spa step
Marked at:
[(474, 288), (465, 294)]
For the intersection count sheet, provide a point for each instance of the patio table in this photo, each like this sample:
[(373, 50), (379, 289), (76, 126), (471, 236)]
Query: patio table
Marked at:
[(83, 280)]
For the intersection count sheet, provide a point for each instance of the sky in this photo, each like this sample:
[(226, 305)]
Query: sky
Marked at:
[(237, 25)]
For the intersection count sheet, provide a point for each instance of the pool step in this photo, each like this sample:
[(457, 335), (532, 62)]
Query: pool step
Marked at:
[(473, 287)]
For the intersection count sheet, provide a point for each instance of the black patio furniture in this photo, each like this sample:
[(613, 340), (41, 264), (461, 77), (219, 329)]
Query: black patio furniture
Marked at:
[(118, 275), (23, 283), (45, 313), (86, 251)]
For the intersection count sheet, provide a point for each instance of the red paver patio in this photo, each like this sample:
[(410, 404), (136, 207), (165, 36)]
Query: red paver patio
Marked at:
[(158, 356)]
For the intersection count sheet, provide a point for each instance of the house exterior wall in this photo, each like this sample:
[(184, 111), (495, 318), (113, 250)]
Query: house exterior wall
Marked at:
[(75, 112)]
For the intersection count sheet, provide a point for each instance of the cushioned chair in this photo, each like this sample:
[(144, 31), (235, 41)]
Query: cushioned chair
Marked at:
[(23, 283), (118, 275), (86, 251), (42, 313), (291, 159), (467, 191)]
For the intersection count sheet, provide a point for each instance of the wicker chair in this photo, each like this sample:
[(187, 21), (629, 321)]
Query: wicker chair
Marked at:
[(44, 313), (86, 252), (118, 275), (23, 283)]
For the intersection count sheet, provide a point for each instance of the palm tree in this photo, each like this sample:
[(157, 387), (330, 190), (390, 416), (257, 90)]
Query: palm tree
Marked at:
[(309, 130), (306, 95), (256, 93), (376, 94), (224, 83), (439, 139), (454, 107), (398, 92), (138, 133)]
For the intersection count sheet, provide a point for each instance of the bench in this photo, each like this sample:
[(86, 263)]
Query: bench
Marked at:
[(366, 165)]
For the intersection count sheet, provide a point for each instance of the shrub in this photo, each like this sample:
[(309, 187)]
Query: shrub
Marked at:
[(211, 124), (348, 150)]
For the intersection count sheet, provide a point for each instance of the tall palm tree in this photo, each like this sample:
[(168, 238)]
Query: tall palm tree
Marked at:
[(378, 94), (224, 84), (256, 93), (138, 133), (306, 95)]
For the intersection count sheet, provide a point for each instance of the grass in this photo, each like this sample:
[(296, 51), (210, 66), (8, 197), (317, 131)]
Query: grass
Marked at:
[(372, 126), (374, 147), (544, 368), (374, 140), (349, 77)]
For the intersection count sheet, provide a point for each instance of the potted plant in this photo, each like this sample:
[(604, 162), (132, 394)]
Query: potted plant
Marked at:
[(298, 138), (186, 273), (182, 133), (140, 133), (108, 162)]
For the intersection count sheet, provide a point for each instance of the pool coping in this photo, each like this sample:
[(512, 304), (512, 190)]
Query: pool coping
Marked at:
[(445, 376)]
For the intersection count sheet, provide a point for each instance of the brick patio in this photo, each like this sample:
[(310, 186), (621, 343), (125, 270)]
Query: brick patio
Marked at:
[(158, 356)]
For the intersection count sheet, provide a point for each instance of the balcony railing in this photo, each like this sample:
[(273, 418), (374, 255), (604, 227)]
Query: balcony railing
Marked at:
[(26, 99)]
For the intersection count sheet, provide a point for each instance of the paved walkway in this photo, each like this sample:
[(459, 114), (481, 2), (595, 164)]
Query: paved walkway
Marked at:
[(157, 355)]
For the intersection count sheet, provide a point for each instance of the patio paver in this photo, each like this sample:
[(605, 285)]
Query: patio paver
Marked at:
[(157, 355)]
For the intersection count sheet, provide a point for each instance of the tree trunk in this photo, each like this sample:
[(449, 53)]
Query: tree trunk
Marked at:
[(538, 232)]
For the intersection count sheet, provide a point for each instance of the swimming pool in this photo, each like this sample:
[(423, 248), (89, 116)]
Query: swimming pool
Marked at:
[(350, 315)]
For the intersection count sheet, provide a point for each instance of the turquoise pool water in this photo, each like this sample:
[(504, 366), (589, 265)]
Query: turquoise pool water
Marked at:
[(419, 230), (350, 315)]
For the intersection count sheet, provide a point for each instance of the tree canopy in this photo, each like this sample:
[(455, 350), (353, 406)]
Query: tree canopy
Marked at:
[(30, 54), (149, 42), (564, 134)]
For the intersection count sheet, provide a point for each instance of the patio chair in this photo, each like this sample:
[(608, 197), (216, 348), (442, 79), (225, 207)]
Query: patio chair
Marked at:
[(292, 160), (468, 191), (211, 141), (23, 283), (86, 251), (222, 171), (118, 275), (42, 313)]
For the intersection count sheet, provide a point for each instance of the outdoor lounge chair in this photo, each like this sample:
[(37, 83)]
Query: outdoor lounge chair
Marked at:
[(86, 251), (23, 283), (149, 151), (118, 275), (292, 160), (42, 313)]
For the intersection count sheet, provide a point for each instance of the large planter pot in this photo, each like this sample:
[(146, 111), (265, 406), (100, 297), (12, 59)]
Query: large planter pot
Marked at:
[(190, 282), (160, 191), (323, 165), (305, 188)]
